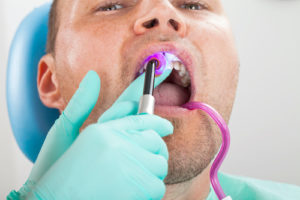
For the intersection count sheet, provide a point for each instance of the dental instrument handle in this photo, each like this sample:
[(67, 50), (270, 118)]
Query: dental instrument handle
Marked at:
[(150, 77), (147, 101)]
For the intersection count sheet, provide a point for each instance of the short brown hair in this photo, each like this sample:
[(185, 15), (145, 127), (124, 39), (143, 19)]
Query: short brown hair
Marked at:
[(53, 25)]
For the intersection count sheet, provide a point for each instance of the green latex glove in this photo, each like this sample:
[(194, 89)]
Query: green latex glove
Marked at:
[(66, 128), (128, 102), (119, 159), (64, 131)]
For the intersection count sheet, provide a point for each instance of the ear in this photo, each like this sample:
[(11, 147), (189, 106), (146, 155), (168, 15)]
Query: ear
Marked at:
[(47, 83)]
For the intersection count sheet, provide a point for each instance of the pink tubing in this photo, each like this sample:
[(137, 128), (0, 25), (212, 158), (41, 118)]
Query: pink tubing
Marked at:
[(224, 148)]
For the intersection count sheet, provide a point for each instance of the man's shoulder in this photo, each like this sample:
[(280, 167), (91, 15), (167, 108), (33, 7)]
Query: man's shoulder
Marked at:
[(246, 188)]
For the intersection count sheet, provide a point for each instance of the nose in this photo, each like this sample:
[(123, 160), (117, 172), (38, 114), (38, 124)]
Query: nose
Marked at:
[(161, 17)]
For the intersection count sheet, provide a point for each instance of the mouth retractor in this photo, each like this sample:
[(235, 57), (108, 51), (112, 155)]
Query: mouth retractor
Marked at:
[(147, 101)]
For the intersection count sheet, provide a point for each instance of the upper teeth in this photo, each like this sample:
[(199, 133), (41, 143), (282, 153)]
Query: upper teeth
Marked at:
[(183, 73)]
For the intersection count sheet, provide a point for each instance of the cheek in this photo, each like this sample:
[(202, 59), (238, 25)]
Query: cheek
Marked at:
[(89, 48), (219, 70), (213, 38)]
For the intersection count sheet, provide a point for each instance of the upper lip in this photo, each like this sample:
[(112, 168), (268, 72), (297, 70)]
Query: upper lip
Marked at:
[(184, 55)]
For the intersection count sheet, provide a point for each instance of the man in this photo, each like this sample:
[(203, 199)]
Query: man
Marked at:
[(118, 154)]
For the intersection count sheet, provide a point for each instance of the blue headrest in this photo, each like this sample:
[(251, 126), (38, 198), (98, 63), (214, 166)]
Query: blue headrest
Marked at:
[(30, 119)]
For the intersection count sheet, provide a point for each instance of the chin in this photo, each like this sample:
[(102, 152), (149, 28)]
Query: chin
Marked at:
[(191, 147)]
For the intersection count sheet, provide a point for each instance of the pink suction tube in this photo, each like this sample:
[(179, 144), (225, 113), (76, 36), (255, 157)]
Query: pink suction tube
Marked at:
[(164, 61), (224, 148)]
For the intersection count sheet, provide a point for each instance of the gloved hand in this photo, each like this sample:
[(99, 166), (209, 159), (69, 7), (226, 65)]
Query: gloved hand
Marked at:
[(66, 128), (120, 159), (64, 131)]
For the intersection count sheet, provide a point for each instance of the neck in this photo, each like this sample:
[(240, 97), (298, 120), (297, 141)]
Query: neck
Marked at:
[(195, 189)]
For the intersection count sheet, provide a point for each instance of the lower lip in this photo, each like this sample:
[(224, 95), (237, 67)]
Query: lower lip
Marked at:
[(171, 111)]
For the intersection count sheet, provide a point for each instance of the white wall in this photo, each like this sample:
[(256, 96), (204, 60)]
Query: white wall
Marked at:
[(265, 122)]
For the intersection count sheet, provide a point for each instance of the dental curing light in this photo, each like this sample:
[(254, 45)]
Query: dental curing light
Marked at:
[(147, 101)]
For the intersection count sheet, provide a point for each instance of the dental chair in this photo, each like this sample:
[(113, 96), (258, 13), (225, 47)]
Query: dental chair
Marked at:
[(29, 118)]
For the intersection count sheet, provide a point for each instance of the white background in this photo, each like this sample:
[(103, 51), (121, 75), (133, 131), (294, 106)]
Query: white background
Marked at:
[(265, 124)]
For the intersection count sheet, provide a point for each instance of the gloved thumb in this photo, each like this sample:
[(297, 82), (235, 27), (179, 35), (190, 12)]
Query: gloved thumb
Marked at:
[(124, 105), (66, 128)]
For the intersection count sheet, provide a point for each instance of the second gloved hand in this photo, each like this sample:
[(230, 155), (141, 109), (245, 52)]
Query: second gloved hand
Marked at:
[(66, 128), (119, 159)]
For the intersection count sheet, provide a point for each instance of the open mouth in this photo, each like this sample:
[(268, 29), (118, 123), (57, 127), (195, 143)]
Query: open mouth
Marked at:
[(176, 89)]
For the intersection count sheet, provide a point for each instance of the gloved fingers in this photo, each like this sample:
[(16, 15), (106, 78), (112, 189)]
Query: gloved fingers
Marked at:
[(121, 141), (157, 188), (132, 94), (84, 99), (135, 89), (149, 162), (152, 186), (66, 127), (119, 110), (149, 140), (143, 122), (142, 144)]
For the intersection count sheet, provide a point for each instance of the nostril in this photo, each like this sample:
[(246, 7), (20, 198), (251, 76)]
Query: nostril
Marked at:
[(151, 23), (175, 24)]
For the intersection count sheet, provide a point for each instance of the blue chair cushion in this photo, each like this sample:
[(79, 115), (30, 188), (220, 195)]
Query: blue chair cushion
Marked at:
[(30, 119)]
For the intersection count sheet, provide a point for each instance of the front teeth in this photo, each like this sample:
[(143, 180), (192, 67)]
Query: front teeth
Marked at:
[(183, 73), (180, 68), (176, 65)]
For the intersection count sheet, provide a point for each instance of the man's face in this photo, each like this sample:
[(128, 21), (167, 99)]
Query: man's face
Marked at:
[(114, 42)]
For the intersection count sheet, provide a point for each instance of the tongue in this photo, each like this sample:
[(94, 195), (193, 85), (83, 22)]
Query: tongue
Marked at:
[(170, 94)]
